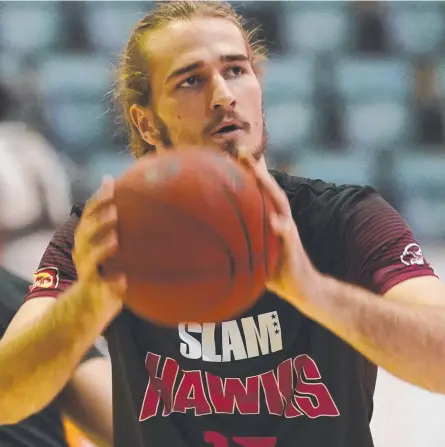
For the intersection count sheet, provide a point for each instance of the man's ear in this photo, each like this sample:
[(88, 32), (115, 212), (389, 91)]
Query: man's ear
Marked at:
[(143, 119)]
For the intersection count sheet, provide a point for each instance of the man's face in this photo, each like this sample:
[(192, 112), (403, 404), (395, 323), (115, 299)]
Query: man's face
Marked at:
[(202, 81)]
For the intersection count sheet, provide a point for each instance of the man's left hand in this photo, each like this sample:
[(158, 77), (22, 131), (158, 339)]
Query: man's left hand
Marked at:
[(295, 278)]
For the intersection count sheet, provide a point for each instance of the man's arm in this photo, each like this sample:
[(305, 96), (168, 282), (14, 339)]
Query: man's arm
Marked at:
[(47, 338), (87, 400), (406, 339), (43, 346), (400, 325)]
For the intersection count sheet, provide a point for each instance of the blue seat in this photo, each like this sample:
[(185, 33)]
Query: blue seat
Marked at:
[(290, 123), (422, 170), (289, 76), (80, 76), (27, 27), (345, 168), (441, 79), (77, 125), (109, 24), (73, 91), (314, 27), (9, 66), (106, 163), (373, 78), (420, 175), (377, 123), (416, 27)]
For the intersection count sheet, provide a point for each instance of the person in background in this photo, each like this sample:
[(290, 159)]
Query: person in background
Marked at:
[(34, 198)]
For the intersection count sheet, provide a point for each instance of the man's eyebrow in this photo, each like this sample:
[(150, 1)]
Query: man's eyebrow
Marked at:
[(184, 70), (234, 58), (199, 64)]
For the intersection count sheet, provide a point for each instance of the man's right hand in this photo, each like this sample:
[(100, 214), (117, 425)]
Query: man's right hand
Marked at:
[(95, 242)]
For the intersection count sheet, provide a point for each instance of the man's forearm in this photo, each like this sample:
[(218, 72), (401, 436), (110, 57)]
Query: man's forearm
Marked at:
[(37, 362), (406, 340)]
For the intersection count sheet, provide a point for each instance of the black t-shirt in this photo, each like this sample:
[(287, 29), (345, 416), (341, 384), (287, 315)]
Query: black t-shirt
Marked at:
[(44, 429), (270, 377)]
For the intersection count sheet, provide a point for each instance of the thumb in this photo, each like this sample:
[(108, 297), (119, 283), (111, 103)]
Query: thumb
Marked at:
[(278, 224)]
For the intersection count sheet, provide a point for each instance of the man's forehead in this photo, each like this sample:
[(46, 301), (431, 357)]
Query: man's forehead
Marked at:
[(185, 42)]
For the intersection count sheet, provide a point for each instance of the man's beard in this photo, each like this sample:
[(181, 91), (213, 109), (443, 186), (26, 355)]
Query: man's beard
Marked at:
[(164, 134), (230, 147)]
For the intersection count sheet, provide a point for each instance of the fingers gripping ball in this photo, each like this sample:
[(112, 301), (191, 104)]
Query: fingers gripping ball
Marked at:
[(194, 237)]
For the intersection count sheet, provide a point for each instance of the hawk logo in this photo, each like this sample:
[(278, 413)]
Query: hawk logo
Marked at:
[(45, 278), (412, 255)]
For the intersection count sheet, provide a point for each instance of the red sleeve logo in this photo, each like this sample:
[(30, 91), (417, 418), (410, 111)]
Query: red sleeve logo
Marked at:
[(412, 255), (45, 278)]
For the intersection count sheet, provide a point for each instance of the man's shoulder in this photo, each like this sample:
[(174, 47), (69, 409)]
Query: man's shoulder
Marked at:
[(317, 195), (63, 238), (304, 194)]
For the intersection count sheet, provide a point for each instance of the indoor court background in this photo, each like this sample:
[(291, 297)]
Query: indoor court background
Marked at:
[(354, 93)]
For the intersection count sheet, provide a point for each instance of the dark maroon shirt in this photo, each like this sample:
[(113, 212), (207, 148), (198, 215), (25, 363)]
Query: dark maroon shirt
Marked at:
[(270, 377)]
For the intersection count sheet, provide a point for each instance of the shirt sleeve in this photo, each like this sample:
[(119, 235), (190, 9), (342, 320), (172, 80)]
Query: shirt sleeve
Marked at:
[(380, 249), (56, 272)]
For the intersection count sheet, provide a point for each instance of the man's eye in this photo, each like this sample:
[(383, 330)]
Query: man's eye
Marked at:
[(192, 81), (235, 71)]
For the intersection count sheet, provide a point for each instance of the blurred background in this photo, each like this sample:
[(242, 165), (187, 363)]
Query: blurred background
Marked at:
[(354, 93)]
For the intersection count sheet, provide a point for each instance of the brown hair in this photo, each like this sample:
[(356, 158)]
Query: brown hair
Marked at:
[(133, 83)]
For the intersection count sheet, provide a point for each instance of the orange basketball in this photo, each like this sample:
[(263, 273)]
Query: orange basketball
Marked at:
[(194, 237)]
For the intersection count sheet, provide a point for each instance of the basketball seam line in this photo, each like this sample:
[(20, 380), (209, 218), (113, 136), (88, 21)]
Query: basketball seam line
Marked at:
[(235, 205)]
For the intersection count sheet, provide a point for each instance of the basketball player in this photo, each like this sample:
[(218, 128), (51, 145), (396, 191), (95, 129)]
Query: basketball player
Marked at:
[(353, 288), (24, 224)]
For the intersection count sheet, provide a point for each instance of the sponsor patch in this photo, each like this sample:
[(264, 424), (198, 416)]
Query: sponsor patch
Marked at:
[(412, 255), (45, 278)]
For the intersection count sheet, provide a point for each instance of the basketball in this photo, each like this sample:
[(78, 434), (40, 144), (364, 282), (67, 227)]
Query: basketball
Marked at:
[(194, 238)]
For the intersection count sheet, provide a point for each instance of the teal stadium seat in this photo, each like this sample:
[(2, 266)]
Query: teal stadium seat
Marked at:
[(29, 27), (320, 27), (74, 92), (105, 163), (389, 78), (422, 170), (351, 167), (416, 27), (9, 66), (289, 77), (78, 75), (420, 175), (290, 123), (377, 123), (109, 24), (376, 93), (441, 79)]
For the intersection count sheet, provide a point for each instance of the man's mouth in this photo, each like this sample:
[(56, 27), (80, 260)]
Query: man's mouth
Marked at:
[(228, 129)]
